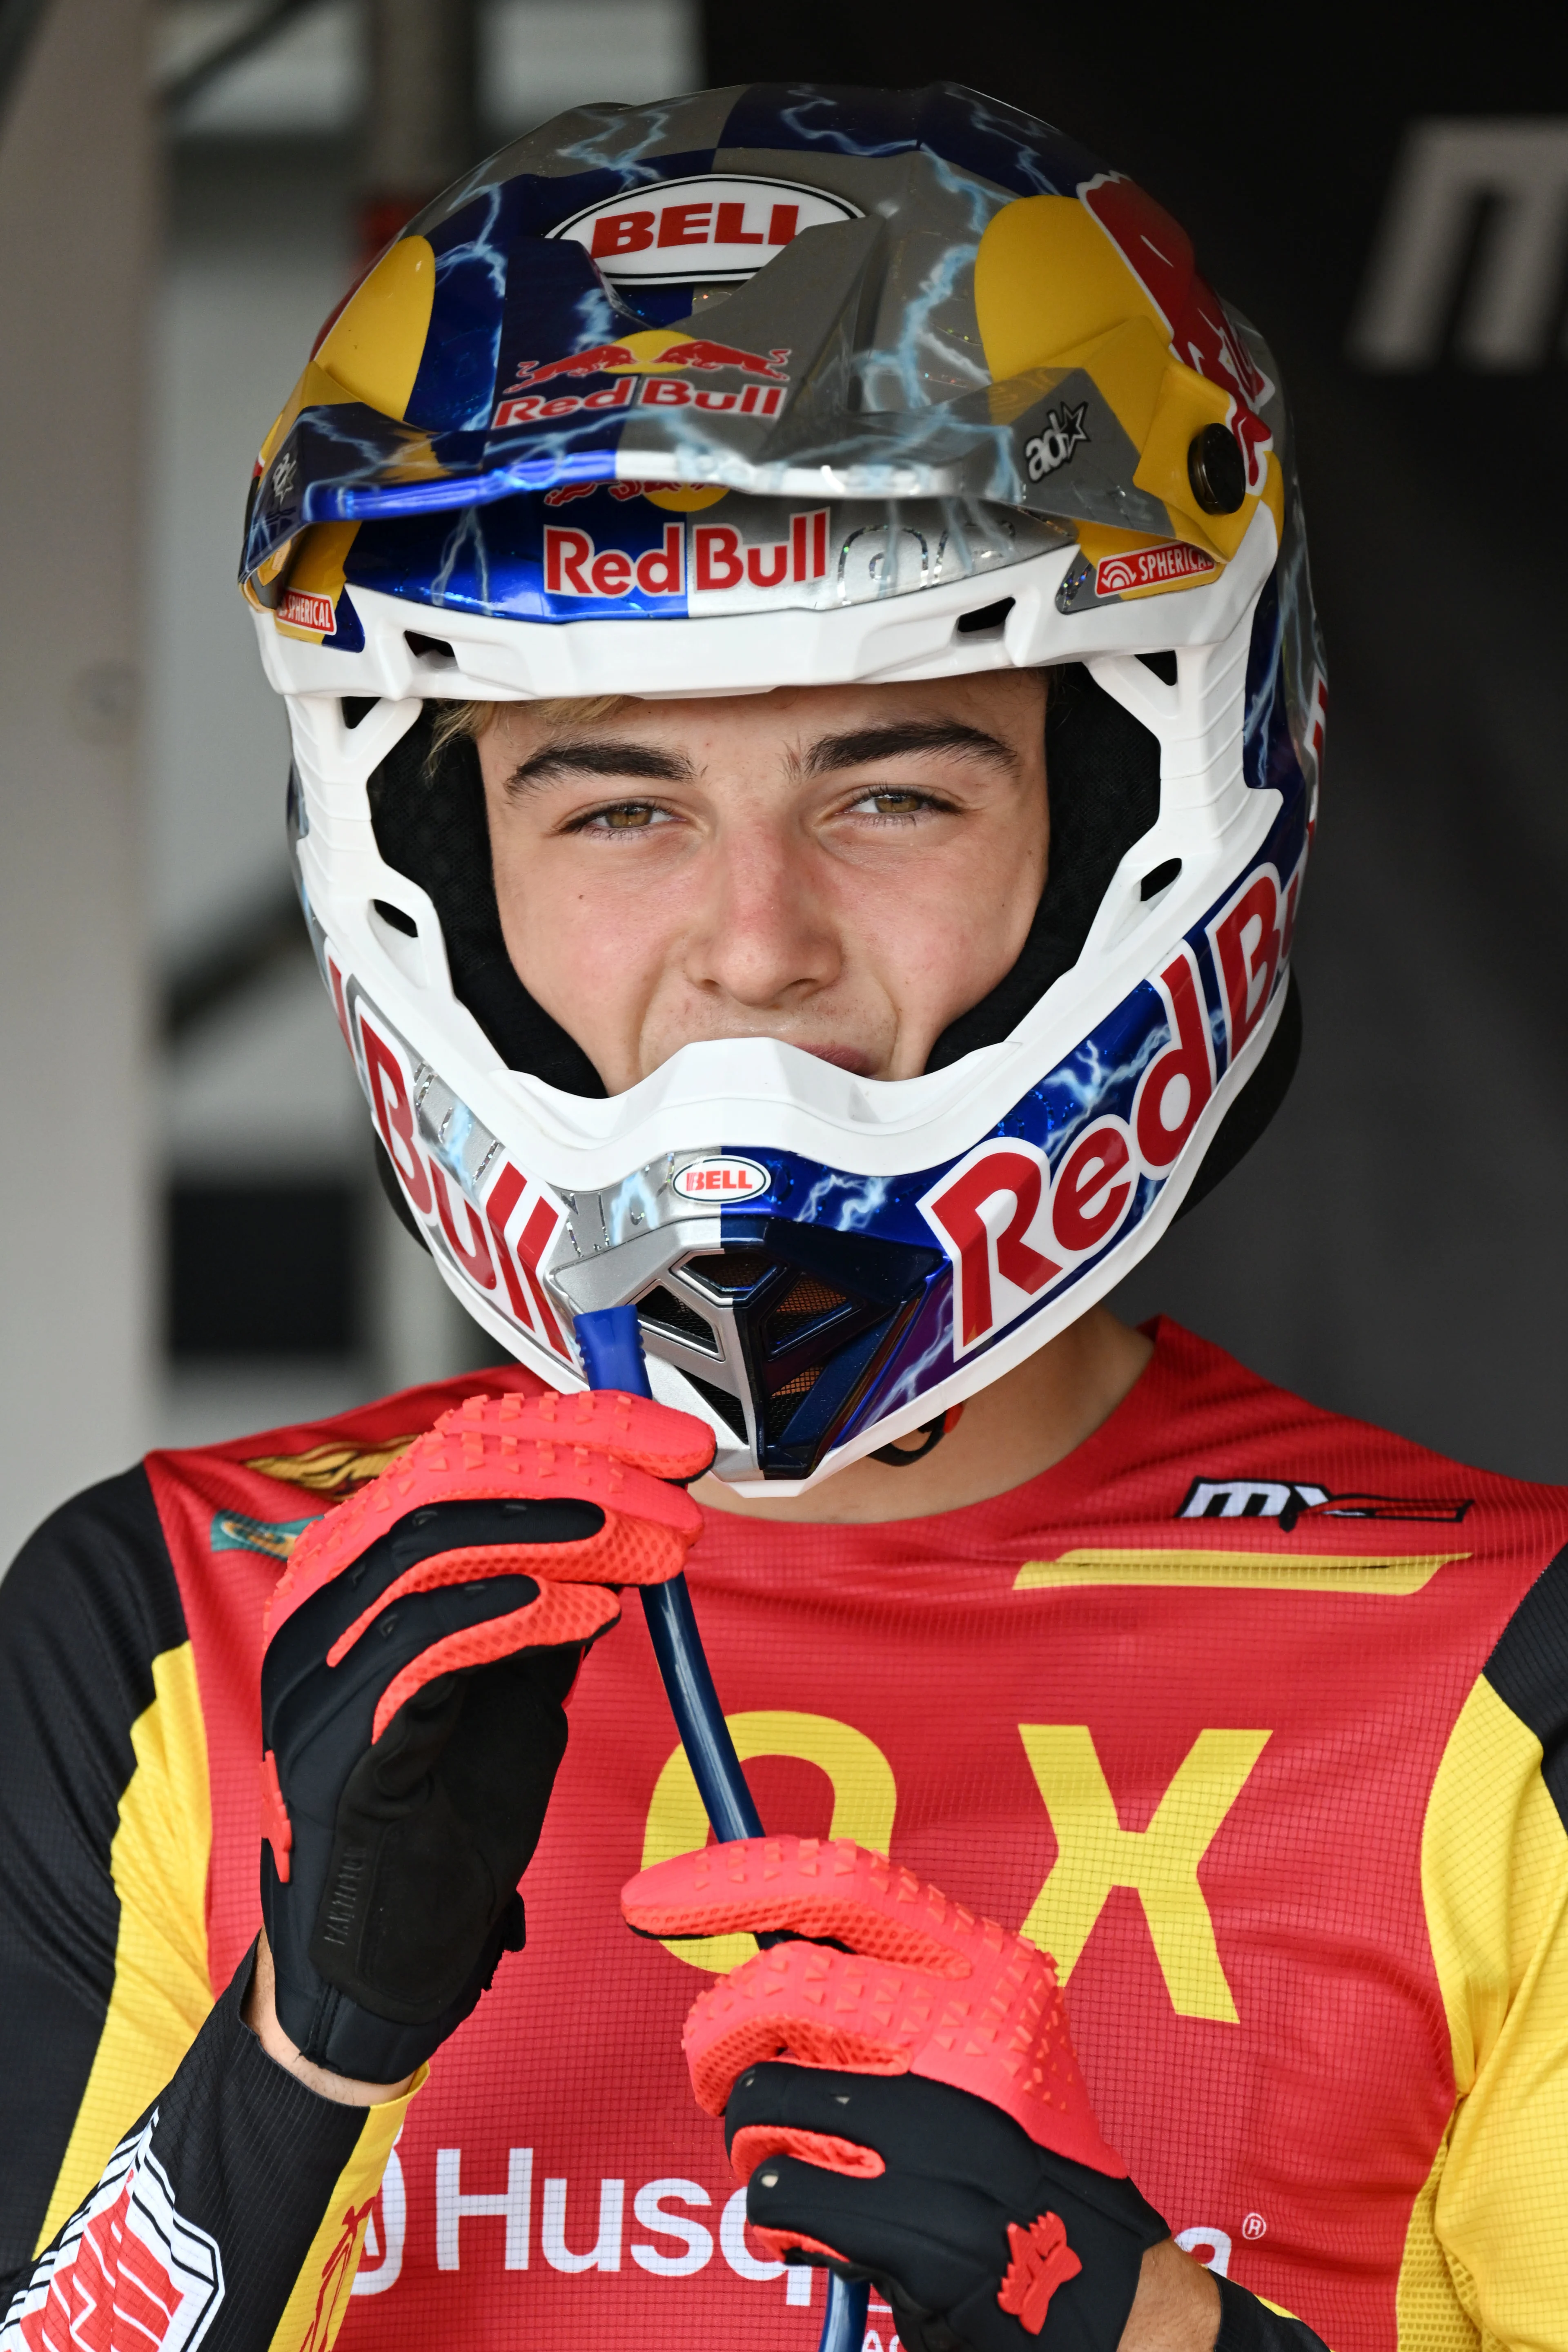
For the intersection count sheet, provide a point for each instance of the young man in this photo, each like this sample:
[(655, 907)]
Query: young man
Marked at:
[(802, 828)]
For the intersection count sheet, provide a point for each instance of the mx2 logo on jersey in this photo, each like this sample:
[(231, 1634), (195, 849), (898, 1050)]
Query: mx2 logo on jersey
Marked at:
[(128, 2267)]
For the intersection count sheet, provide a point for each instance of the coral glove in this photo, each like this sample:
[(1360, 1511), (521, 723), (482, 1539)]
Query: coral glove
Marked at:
[(903, 2096), (419, 1651)]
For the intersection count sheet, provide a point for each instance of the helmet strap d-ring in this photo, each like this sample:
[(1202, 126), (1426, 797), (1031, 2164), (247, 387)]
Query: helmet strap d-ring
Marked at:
[(899, 1457)]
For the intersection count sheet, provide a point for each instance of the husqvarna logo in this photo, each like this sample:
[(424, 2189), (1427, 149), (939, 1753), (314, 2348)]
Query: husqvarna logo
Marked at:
[(717, 1181)]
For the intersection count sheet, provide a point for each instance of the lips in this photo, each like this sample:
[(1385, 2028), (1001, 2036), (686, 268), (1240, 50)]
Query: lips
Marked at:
[(843, 1057)]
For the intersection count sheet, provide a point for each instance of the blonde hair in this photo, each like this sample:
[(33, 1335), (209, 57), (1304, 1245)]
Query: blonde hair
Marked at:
[(557, 712)]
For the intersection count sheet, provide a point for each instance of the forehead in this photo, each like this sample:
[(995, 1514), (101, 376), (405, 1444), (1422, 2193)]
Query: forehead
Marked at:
[(1005, 703)]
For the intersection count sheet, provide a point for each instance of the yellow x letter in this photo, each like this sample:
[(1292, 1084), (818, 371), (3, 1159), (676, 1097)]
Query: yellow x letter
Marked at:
[(1094, 1853)]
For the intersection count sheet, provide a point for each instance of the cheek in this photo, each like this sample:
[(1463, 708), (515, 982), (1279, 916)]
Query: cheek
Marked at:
[(944, 931), (556, 933), (586, 941)]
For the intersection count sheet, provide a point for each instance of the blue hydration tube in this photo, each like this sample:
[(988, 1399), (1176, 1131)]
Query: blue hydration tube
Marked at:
[(613, 1358)]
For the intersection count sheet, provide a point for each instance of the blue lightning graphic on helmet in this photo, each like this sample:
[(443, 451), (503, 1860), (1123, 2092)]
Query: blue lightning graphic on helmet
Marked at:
[(617, 149), (863, 1199), (467, 533), (831, 135)]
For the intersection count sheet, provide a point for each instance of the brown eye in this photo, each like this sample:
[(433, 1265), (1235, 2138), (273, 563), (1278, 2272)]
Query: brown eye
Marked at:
[(627, 820), (896, 804)]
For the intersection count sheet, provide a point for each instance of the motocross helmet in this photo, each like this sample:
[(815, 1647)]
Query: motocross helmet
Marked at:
[(770, 386)]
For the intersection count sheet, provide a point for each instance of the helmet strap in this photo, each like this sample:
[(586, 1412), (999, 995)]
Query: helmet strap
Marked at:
[(899, 1457)]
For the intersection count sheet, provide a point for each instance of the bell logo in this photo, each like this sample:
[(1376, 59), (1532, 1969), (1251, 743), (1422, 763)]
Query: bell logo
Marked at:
[(693, 231), (716, 1183)]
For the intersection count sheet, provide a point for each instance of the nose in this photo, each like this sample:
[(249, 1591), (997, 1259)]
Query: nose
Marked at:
[(764, 936)]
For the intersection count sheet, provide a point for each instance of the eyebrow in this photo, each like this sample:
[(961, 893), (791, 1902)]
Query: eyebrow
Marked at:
[(900, 739), (858, 748), (586, 757)]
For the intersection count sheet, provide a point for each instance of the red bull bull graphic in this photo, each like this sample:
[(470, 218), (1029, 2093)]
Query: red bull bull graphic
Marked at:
[(1160, 255), (595, 361), (566, 492), (700, 353)]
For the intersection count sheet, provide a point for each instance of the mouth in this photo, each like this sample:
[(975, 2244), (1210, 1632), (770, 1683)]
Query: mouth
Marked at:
[(844, 1057)]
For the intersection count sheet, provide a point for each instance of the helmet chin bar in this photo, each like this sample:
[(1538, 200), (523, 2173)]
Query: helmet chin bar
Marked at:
[(781, 1328)]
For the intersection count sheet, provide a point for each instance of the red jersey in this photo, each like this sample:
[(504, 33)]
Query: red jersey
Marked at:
[(1249, 1714)]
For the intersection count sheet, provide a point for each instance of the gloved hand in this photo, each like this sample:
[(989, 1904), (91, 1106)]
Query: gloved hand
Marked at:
[(928, 2129), (419, 1651)]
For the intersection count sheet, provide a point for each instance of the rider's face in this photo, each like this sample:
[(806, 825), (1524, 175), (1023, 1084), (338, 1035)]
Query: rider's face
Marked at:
[(846, 868)]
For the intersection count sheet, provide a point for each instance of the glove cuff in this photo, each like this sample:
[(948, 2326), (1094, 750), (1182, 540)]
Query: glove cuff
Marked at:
[(335, 2032)]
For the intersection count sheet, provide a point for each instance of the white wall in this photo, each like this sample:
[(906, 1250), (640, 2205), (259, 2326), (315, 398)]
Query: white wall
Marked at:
[(76, 1268)]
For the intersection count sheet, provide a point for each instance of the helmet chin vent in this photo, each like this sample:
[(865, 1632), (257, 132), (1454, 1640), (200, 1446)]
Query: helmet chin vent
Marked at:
[(798, 1321), (783, 1405), (661, 1308), (730, 1409), (805, 1307), (733, 1274)]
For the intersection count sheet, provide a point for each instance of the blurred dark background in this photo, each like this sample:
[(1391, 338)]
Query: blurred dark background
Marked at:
[(188, 1224)]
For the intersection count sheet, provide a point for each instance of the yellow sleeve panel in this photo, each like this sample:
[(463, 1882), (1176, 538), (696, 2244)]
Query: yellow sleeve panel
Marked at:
[(320, 2301), (159, 1865), (1486, 2261)]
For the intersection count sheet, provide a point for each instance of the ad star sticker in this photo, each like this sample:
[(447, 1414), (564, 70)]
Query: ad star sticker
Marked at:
[(1063, 431)]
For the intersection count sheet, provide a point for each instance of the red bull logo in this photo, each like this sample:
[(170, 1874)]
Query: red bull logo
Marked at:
[(650, 368), (1159, 254), (651, 356), (634, 391), (576, 566), (719, 561)]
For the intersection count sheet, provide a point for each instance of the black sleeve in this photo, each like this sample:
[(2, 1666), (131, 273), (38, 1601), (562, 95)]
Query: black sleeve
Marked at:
[(1245, 2325), (89, 1604), (231, 2183), (228, 2177)]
